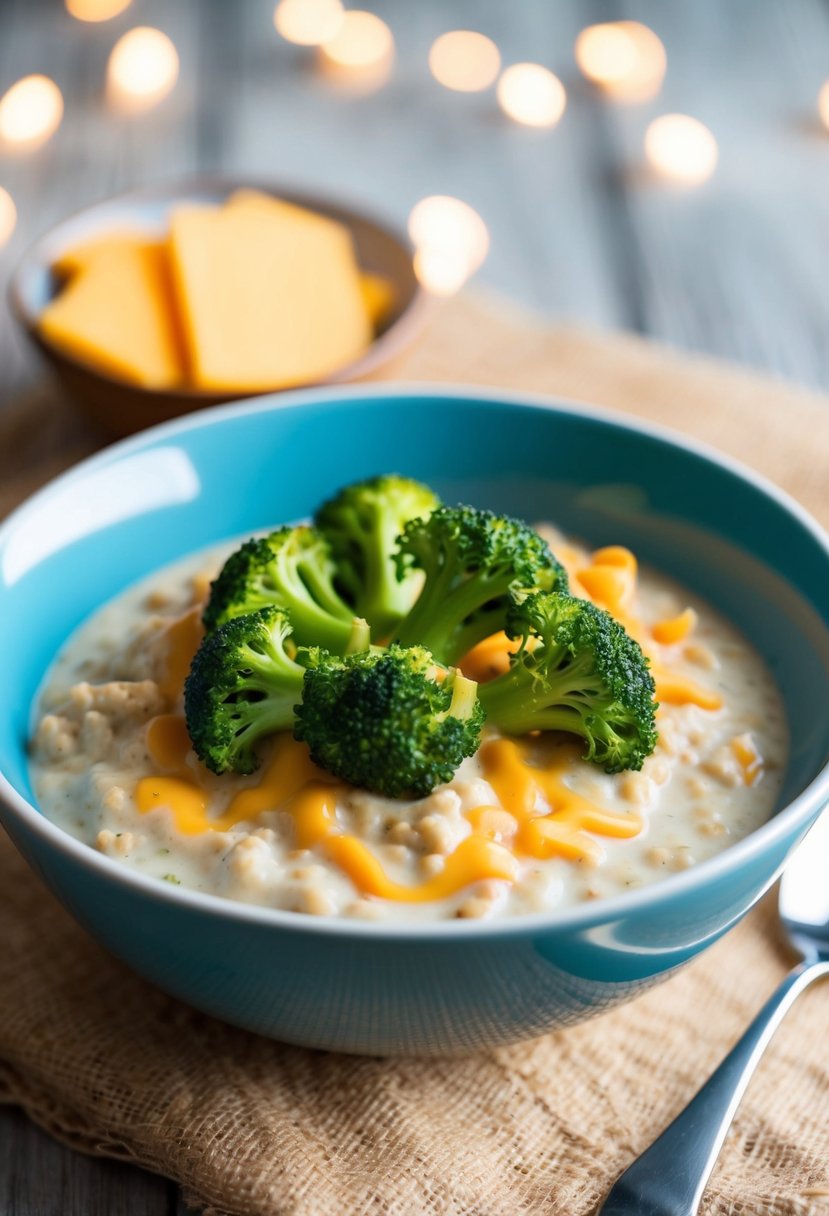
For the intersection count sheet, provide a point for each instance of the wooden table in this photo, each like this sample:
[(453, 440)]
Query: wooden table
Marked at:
[(735, 268)]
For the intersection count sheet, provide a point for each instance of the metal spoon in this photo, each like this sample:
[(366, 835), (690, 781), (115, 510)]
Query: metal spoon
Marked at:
[(670, 1176)]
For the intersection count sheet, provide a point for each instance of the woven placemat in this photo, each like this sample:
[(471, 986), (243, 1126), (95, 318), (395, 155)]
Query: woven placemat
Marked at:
[(253, 1128)]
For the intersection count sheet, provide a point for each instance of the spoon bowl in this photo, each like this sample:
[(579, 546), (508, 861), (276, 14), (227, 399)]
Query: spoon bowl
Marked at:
[(804, 895)]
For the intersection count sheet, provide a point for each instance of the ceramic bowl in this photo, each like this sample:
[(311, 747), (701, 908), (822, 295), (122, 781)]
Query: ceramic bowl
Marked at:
[(459, 985), (121, 408)]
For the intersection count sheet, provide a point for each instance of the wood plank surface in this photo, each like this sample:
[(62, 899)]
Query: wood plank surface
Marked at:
[(38, 1177), (579, 229), (734, 268)]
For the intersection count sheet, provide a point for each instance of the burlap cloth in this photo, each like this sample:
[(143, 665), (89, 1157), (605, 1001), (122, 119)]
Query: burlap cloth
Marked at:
[(112, 1066)]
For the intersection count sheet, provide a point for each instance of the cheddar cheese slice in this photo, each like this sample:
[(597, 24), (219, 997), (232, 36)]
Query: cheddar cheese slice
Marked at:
[(70, 261), (269, 294), (116, 313)]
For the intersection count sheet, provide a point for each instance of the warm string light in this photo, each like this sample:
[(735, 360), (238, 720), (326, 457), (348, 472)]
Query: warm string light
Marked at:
[(623, 58), (30, 111), (823, 104), (451, 241), (465, 61), (361, 53), (308, 22), (96, 10), (532, 95), (681, 149), (8, 216), (142, 69)]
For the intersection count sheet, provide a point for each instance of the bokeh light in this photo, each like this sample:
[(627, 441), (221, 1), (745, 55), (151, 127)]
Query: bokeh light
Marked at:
[(531, 94), (362, 39), (8, 216), (142, 69), (30, 111), (681, 149), (465, 61), (96, 10), (361, 52), (451, 241), (308, 22), (624, 58), (823, 104)]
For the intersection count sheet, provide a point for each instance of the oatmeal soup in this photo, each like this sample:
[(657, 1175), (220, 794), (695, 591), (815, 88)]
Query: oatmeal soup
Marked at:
[(525, 824)]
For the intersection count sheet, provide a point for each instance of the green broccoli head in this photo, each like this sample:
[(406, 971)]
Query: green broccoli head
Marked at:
[(291, 569), (389, 720), (577, 670), (362, 523), (243, 685), (473, 561)]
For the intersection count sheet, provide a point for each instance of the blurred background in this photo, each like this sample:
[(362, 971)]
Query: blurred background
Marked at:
[(669, 177), (712, 237)]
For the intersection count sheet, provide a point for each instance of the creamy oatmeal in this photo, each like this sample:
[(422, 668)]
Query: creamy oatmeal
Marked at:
[(525, 825)]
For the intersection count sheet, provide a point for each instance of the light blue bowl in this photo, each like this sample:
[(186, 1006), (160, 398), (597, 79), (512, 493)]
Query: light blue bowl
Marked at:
[(461, 985)]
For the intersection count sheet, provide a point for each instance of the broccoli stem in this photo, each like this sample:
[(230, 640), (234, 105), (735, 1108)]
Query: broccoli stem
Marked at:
[(428, 621), (381, 597), (522, 700), (362, 523), (360, 639), (257, 720), (269, 666), (464, 697), (437, 619), (318, 583), (327, 627)]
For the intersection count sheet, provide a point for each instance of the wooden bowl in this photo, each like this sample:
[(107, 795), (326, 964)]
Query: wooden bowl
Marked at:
[(121, 407)]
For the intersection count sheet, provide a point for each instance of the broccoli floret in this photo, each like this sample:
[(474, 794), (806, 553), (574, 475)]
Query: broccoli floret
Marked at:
[(243, 685), (577, 670), (362, 523), (291, 569), (472, 560), (389, 720)]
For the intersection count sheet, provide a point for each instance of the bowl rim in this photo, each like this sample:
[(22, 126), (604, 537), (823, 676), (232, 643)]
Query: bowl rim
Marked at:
[(793, 816), (167, 188)]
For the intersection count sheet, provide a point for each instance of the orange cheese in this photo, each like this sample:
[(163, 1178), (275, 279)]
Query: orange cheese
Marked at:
[(168, 741), (610, 579), (182, 638), (79, 257), (290, 779), (747, 753), (269, 294), (674, 689), (291, 782), (490, 658), (676, 629), (378, 298), (545, 817), (473, 860), (116, 313), (551, 819)]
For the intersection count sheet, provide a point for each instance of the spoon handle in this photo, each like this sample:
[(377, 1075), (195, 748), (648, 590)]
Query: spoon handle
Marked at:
[(670, 1176)]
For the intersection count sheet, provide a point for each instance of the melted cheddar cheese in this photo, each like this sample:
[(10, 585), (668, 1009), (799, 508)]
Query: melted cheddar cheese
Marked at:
[(291, 783)]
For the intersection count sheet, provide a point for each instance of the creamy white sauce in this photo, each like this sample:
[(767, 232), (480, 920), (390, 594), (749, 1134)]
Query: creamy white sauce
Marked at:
[(90, 750)]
